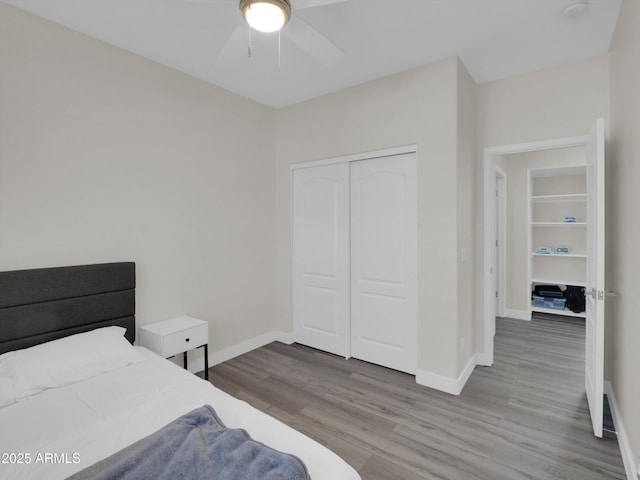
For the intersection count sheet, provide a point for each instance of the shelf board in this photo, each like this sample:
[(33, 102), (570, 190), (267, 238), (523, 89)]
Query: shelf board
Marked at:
[(572, 197), (566, 312), (572, 170), (566, 255), (559, 224), (558, 281)]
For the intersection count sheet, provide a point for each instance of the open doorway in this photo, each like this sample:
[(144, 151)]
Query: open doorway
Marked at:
[(593, 145)]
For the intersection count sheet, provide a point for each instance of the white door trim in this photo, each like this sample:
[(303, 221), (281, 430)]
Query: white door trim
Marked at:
[(501, 231), (489, 267), (387, 152)]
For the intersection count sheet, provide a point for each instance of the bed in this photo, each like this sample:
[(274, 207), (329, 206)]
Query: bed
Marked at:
[(73, 422)]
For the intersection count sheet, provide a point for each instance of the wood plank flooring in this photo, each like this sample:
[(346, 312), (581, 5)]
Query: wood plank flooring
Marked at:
[(524, 418)]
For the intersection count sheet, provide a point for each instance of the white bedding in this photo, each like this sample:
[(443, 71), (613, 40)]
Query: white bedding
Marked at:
[(66, 429)]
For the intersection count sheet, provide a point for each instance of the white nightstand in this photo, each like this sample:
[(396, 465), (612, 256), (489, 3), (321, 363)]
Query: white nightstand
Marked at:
[(178, 335)]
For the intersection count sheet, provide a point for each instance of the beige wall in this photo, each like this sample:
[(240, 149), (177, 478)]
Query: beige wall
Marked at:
[(516, 167), (414, 107), (558, 102), (623, 220), (105, 156), (466, 105)]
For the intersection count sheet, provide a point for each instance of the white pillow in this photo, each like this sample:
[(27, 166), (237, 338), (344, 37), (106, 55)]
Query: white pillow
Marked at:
[(63, 361)]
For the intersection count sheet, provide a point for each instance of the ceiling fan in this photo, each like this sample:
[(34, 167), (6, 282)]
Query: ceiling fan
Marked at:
[(292, 26)]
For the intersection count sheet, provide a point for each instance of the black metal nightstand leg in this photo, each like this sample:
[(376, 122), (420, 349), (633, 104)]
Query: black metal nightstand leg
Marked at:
[(206, 361)]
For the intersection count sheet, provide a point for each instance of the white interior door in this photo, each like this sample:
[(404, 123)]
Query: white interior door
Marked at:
[(594, 351), (384, 261), (320, 224)]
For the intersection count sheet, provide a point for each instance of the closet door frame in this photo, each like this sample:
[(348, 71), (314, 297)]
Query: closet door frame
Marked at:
[(389, 152)]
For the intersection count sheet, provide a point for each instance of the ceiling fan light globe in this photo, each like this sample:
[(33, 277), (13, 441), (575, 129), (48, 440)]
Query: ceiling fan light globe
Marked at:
[(266, 16)]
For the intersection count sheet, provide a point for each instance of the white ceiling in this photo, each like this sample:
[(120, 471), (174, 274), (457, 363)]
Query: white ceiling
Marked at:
[(494, 38)]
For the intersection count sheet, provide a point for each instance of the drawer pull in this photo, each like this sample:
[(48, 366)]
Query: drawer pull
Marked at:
[(186, 339)]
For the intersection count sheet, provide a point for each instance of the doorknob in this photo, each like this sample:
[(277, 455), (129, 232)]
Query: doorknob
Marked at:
[(600, 294)]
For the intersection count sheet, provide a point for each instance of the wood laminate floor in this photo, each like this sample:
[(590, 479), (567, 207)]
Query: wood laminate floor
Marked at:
[(524, 418)]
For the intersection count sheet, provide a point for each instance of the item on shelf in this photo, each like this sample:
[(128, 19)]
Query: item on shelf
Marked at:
[(576, 301), (553, 291), (562, 250), (544, 250), (570, 219), (549, 302)]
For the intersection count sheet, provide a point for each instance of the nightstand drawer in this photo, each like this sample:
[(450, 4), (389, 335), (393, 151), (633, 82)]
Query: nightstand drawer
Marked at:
[(184, 340), (177, 335)]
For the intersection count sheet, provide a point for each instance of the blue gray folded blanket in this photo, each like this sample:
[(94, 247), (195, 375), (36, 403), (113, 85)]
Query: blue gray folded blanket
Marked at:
[(197, 446)]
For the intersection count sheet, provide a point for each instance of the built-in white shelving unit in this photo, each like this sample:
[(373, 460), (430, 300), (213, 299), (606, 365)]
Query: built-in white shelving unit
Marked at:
[(555, 193)]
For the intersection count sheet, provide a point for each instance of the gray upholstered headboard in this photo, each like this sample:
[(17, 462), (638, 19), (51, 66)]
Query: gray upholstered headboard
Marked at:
[(44, 304)]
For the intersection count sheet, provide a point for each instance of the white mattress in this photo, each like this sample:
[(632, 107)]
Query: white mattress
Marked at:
[(97, 417)]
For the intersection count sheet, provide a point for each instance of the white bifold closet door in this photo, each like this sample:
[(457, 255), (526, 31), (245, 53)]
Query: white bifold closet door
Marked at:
[(384, 261), (321, 257), (355, 258)]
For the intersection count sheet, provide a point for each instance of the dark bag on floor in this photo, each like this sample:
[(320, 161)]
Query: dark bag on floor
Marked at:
[(575, 298)]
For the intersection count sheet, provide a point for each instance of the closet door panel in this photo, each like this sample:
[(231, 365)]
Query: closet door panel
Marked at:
[(383, 261), (375, 311), (320, 224), (380, 196)]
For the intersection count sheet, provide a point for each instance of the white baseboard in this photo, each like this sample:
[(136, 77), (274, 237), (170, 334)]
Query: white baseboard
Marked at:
[(286, 337), (466, 372), (450, 385), (518, 314), (628, 458), (483, 359), (244, 347)]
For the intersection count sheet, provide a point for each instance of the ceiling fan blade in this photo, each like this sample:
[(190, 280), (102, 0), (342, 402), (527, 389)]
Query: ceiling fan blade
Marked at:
[(299, 4), (313, 42), (235, 45)]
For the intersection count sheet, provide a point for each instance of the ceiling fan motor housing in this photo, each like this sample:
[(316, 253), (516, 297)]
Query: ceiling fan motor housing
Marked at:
[(283, 5)]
